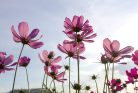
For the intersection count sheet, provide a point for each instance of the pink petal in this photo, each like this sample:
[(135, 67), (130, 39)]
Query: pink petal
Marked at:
[(16, 37), (23, 29), (106, 45), (41, 58), (45, 54), (67, 23), (8, 60), (74, 21), (60, 75), (89, 41), (56, 60), (35, 45), (115, 45), (33, 34), (136, 53), (81, 19), (126, 50), (91, 36), (61, 48)]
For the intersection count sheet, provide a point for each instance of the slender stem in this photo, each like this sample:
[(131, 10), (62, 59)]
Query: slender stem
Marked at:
[(16, 69), (50, 83), (54, 85), (27, 79), (78, 64), (63, 82), (105, 79), (69, 77), (107, 70), (46, 80), (113, 68), (43, 83), (96, 85)]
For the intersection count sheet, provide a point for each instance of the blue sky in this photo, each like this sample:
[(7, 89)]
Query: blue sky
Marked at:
[(116, 19)]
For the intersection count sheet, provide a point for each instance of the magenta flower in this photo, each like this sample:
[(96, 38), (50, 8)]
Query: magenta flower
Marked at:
[(55, 74), (26, 38), (24, 61), (112, 50), (48, 58), (70, 49), (115, 85), (5, 62), (76, 25), (135, 57), (132, 75)]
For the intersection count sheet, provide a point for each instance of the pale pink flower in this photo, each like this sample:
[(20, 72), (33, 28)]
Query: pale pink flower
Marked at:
[(5, 62), (24, 37), (24, 61), (70, 49), (113, 52)]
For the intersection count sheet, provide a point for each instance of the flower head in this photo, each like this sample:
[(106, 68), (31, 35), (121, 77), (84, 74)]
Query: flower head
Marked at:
[(24, 37), (112, 50), (132, 75), (48, 58), (70, 49), (76, 25), (24, 61), (135, 57), (55, 74), (5, 62)]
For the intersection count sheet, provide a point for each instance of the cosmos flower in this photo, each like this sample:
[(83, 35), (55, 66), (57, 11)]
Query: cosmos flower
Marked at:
[(113, 52), (135, 57), (70, 49), (55, 74), (115, 85), (24, 61), (24, 37), (132, 75), (5, 62), (48, 58), (76, 25)]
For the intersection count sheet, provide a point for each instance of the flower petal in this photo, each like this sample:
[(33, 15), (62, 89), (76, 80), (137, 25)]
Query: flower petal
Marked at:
[(33, 34), (106, 45), (16, 37), (61, 48), (115, 45), (8, 60), (35, 45), (23, 29), (126, 50)]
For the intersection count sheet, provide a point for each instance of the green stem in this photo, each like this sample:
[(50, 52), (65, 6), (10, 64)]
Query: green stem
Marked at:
[(16, 69), (96, 85), (69, 77), (113, 68), (27, 79), (43, 83), (46, 80), (63, 82), (54, 85), (105, 79), (78, 64)]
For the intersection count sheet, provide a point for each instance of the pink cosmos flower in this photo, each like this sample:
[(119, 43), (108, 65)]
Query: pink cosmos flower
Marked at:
[(48, 58), (55, 74), (24, 37), (76, 25), (135, 57), (85, 36), (132, 75), (70, 49), (112, 50), (5, 62), (115, 85), (24, 61)]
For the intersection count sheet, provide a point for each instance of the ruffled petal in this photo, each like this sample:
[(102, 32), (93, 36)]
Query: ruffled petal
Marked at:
[(8, 60), (126, 50), (16, 37), (115, 45)]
